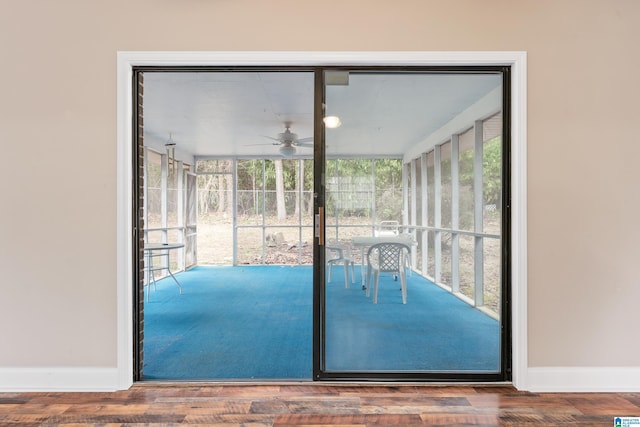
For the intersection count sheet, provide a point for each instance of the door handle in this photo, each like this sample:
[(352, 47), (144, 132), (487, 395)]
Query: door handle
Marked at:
[(320, 226)]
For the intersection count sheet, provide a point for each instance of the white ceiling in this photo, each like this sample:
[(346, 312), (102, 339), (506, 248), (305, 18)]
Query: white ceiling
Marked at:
[(234, 113)]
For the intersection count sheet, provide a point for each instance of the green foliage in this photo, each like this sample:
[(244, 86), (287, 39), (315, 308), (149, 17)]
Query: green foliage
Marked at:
[(354, 184), (214, 185), (351, 185), (492, 170), (256, 185), (254, 176), (388, 189)]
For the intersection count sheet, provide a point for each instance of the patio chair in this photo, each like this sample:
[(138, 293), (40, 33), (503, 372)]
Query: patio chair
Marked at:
[(387, 258), (387, 228), (340, 254)]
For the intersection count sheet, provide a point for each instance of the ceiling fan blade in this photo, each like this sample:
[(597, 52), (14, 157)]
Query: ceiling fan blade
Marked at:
[(304, 144), (308, 139), (270, 137), (263, 143)]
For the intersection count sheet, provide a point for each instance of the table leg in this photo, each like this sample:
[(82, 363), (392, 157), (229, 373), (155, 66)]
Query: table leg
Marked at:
[(150, 275), (168, 267), (176, 280), (362, 272), (165, 265)]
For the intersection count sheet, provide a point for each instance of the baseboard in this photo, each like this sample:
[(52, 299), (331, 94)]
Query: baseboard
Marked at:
[(589, 379), (546, 379), (58, 379)]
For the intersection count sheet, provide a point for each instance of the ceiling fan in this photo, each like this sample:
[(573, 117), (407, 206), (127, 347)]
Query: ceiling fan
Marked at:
[(288, 141)]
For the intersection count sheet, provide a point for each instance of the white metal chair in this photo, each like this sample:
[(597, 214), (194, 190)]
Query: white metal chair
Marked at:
[(387, 258), (340, 254), (387, 228)]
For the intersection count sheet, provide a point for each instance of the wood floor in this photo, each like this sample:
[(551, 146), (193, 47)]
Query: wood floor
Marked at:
[(317, 405)]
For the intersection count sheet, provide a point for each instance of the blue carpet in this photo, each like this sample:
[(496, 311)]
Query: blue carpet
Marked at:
[(255, 322), (433, 331), (230, 322)]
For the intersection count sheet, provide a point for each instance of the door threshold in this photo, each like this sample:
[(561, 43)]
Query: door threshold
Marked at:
[(298, 382)]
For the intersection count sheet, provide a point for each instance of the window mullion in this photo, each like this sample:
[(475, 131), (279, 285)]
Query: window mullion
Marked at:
[(438, 213), (478, 208), (424, 197), (455, 213)]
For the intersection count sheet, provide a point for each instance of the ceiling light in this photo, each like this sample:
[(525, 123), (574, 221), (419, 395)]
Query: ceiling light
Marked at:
[(332, 122), (287, 150)]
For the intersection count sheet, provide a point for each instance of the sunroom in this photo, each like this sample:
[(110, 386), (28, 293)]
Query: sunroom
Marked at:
[(262, 191)]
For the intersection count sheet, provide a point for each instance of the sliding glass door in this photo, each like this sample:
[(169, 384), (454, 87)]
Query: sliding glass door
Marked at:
[(323, 223), (226, 258), (414, 219)]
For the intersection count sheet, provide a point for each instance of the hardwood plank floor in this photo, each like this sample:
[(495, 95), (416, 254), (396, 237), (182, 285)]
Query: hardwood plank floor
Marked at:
[(316, 405)]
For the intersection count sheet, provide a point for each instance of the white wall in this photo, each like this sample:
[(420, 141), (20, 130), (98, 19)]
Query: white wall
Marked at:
[(58, 308)]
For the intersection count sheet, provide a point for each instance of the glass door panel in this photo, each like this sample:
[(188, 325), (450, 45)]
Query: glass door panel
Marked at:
[(406, 168), (244, 205)]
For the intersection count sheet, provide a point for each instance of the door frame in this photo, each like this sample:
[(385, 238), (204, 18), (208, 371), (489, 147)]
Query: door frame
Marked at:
[(125, 228)]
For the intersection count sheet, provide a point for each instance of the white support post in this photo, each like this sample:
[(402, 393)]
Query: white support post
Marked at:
[(180, 214), (234, 185), (414, 205), (192, 188), (478, 208), (438, 213), (300, 195), (264, 209), (374, 209), (164, 177), (424, 198), (405, 194), (455, 213)]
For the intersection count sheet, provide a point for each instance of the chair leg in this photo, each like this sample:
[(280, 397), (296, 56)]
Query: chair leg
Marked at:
[(403, 284), (375, 286), (353, 273), (329, 275), (346, 274)]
